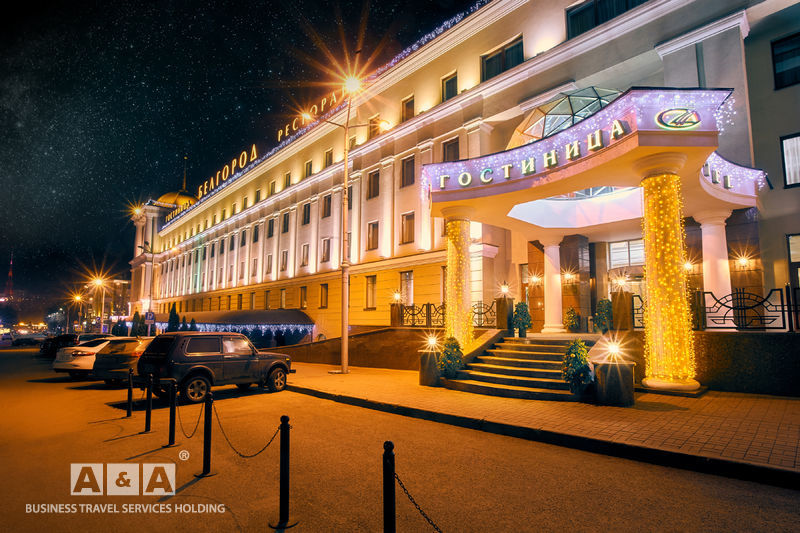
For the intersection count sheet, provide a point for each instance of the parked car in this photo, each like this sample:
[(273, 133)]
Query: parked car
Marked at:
[(79, 360), (27, 338), (112, 362), (198, 360), (51, 345)]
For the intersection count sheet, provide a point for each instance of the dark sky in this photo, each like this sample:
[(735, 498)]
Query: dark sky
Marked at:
[(99, 102)]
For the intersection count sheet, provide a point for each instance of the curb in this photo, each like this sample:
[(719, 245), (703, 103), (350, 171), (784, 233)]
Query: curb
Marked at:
[(769, 475)]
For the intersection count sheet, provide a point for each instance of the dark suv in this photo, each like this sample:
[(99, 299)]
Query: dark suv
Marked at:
[(199, 360)]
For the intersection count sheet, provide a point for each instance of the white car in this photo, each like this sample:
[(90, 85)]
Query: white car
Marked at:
[(79, 360)]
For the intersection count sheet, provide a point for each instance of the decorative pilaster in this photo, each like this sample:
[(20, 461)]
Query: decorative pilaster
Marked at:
[(553, 319)]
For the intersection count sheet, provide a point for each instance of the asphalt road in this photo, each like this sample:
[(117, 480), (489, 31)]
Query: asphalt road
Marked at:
[(465, 480)]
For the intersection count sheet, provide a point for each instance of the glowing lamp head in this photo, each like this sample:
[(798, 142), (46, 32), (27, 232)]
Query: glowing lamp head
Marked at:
[(396, 296), (98, 282), (504, 288), (687, 266), (535, 279), (137, 211), (77, 297), (568, 276), (352, 84), (613, 349), (743, 261), (384, 125), (433, 341)]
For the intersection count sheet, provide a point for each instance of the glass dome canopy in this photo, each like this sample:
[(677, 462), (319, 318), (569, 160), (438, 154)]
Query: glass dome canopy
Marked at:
[(560, 113)]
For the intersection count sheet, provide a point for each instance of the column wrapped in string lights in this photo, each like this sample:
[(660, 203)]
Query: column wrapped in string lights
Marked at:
[(669, 346), (458, 303)]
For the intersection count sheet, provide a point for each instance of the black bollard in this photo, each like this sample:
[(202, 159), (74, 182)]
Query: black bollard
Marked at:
[(283, 519), (389, 519), (208, 406), (130, 393), (172, 407), (149, 413)]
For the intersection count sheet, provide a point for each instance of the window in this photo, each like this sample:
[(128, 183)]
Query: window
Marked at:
[(233, 209), (239, 302), (407, 287), (592, 13), (407, 228), (349, 197), (241, 270), (374, 127), (236, 344), (372, 236), (304, 255), (407, 109), (373, 184), (204, 252), (348, 244), (283, 298), (371, 282), (270, 228), (271, 188), (790, 150), (308, 169), (229, 302), (255, 234), (326, 206), (224, 215), (450, 150), (203, 345), (284, 259), (266, 299), (287, 180), (255, 267), (268, 266), (213, 219), (323, 295), (407, 171), (306, 213), (258, 196), (245, 203), (285, 225), (252, 300), (625, 253), (303, 297), (231, 242), (230, 272), (326, 251), (222, 246), (352, 142), (328, 157), (507, 57), (449, 87), (786, 61), (243, 240)]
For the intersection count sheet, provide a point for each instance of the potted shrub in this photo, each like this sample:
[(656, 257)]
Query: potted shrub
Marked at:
[(572, 321), (576, 370), (603, 318), (522, 319), (451, 359)]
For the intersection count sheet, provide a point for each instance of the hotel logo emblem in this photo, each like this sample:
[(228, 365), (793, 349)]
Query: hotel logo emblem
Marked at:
[(679, 118)]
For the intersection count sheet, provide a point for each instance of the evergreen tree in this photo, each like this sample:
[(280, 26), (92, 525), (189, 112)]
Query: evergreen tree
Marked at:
[(193, 325), (174, 320), (135, 323), (184, 325)]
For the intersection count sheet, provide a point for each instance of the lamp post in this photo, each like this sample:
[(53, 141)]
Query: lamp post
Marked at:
[(351, 86), (147, 249), (77, 299), (100, 283)]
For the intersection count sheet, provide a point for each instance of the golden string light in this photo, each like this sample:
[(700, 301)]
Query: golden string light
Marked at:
[(458, 317), (669, 346)]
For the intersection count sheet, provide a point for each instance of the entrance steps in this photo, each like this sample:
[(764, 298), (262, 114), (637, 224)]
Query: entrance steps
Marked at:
[(528, 368)]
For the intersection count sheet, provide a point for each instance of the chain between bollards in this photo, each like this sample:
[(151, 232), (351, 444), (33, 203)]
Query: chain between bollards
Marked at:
[(389, 508), (149, 413), (283, 519), (130, 393), (207, 421)]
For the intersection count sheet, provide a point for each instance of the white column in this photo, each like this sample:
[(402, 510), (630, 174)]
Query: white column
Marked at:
[(387, 221), (424, 212), (553, 321), (336, 207), (716, 269)]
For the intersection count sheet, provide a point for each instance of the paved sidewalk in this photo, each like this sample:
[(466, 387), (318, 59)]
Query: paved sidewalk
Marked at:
[(741, 435)]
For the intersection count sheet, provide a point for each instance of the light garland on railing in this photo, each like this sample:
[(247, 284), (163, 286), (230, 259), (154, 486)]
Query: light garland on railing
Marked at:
[(669, 346)]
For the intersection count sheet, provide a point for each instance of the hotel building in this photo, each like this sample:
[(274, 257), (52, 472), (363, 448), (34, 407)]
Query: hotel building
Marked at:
[(520, 135)]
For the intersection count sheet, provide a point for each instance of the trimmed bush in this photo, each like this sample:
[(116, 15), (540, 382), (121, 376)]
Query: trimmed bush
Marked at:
[(451, 360), (576, 371), (603, 318)]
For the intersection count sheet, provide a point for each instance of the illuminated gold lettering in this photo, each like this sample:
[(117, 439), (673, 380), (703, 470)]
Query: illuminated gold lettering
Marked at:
[(205, 187), (528, 166), (253, 154), (199, 191), (294, 124), (572, 150), (225, 172), (322, 105), (594, 141), (550, 159), (286, 130), (217, 183), (507, 170), (484, 172), (617, 130), (233, 166), (442, 180), (464, 179), (280, 133), (333, 98), (242, 159), (313, 111)]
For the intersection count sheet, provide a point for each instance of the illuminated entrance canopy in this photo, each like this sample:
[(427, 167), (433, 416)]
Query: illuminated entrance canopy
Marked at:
[(639, 117)]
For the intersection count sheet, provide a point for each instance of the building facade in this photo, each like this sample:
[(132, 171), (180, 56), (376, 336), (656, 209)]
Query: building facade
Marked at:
[(265, 231)]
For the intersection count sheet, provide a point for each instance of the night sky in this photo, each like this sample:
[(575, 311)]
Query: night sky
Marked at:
[(99, 103)]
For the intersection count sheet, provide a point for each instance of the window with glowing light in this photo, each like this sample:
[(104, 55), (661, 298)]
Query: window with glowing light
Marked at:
[(407, 228), (284, 259), (407, 287), (374, 127), (626, 253), (268, 265), (328, 157), (271, 188), (325, 255), (323, 296), (308, 169), (303, 297), (407, 109), (372, 236), (254, 270), (266, 299), (258, 196), (304, 255), (283, 299), (790, 152), (371, 288)]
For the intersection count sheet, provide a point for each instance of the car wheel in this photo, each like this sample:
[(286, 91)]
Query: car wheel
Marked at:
[(243, 386), (276, 381), (195, 389)]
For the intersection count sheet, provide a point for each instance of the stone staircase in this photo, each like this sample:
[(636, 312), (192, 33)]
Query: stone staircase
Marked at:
[(527, 368)]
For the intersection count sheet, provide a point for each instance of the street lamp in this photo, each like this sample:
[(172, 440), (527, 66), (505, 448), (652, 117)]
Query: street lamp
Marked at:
[(147, 249), (77, 299), (100, 283), (351, 85)]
